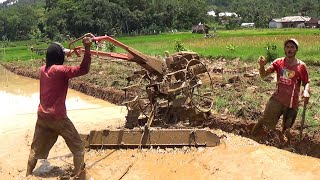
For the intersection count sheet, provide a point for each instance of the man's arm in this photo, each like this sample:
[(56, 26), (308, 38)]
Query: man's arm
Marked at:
[(85, 64), (305, 83), (262, 71), (83, 68), (306, 92), (86, 41)]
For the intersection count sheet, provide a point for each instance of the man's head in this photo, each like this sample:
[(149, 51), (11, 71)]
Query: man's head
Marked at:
[(291, 47), (55, 54)]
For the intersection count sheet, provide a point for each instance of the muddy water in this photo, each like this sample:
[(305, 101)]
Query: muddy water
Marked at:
[(20, 95), (235, 158), (19, 99)]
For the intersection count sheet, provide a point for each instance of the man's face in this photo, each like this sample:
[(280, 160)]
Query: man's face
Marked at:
[(290, 49)]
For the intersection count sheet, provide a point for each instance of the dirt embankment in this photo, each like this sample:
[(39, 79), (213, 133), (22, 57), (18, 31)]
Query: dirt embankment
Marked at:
[(109, 94), (240, 125)]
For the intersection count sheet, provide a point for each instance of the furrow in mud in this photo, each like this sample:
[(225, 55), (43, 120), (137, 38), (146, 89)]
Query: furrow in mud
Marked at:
[(309, 145)]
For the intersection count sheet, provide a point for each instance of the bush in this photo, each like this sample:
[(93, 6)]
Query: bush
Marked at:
[(271, 53), (111, 47), (179, 46), (231, 48)]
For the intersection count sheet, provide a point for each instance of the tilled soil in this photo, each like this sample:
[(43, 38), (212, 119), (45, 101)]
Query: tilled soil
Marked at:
[(243, 78), (235, 158)]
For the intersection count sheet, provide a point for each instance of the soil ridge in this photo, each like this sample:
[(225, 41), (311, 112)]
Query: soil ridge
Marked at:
[(309, 145)]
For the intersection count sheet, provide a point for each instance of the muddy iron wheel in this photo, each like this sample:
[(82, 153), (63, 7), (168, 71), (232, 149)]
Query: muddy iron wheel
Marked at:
[(135, 90), (200, 86), (138, 97), (161, 103)]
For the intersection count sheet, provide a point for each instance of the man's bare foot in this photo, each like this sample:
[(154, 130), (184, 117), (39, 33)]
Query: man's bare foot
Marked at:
[(81, 176), (284, 140), (28, 174), (256, 130)]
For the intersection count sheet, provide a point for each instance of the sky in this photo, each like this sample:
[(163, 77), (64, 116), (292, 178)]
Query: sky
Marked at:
[(2, 1)]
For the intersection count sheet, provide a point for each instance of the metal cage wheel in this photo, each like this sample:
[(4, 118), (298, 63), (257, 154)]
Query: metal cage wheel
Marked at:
[(159, 104), (135, 90), (200, 86)]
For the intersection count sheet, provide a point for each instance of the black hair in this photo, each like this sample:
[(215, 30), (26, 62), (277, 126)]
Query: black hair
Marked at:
[(54, 55)]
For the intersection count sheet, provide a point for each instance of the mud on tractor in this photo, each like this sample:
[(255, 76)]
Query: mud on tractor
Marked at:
[(158, 98)]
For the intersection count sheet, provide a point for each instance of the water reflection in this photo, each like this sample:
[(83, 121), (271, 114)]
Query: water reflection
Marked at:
[(20, 95), (13, 84), (235, 158)]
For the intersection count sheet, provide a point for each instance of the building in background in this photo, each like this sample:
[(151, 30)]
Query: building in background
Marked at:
[(247, 25), (295, 22)]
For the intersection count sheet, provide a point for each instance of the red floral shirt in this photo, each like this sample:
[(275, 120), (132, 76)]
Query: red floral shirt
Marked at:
[(289, 79)]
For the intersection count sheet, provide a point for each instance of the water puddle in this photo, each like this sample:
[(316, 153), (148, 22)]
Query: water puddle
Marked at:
[(235, 158)]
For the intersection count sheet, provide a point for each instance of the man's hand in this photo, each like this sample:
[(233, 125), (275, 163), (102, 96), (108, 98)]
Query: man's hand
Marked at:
[(87, 42), (305, 96), (262, 61), (262, 71), (306, 93)]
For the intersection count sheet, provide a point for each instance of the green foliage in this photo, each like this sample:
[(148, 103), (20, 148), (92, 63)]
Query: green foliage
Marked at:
[(232, 24), (271, 52), (220, 103), (179, 46), (57, 18), (231, 48), (261, 12), (111, 47), (18, 21), (249, 44)]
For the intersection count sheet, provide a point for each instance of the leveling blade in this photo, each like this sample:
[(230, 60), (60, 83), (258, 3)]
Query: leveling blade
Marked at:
[(132, 138)]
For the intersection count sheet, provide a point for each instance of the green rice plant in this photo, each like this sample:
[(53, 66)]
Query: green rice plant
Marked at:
[(271, 52), (312, 116), (179, 46), (247, 45), (231, 48), (111, 47), (220, 103)]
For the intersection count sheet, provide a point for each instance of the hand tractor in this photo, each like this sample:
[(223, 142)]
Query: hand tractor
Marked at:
[(159, 98)]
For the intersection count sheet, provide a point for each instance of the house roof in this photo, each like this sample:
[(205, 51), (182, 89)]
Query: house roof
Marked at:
[(228, 14), (314, 20), (247, 24), (292, 19), (200, 26), (212, 13)]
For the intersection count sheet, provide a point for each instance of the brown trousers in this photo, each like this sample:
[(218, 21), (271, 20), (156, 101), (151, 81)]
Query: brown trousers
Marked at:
[(272, 113), (46, 134)]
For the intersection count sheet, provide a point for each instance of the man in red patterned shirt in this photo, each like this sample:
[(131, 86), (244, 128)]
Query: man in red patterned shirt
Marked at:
[(291, 74), (52, 115)]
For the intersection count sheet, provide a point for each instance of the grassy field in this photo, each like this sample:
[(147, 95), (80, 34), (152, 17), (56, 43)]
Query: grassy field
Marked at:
[(246, 44)]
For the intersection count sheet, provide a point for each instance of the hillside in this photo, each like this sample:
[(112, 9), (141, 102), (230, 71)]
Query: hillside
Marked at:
[(29, 19)]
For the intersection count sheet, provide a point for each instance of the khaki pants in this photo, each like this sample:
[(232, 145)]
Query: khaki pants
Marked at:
[(46, 134), (274, 109)]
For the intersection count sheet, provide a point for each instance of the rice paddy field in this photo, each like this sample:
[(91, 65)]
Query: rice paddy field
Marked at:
[(246, 44), (239, 91)]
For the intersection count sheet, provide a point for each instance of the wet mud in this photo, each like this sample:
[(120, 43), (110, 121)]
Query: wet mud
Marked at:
[(309, 145), (225, 161)]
